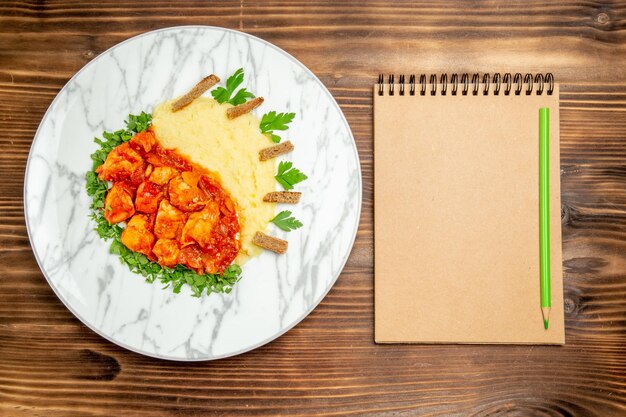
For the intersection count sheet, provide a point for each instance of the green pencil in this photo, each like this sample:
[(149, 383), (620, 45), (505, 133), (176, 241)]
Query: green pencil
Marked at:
[(544, 212)]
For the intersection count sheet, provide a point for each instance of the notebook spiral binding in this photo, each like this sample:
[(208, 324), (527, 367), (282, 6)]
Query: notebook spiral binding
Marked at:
[(494, 84)]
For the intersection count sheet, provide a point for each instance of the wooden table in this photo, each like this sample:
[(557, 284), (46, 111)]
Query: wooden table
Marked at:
[(52, 365)]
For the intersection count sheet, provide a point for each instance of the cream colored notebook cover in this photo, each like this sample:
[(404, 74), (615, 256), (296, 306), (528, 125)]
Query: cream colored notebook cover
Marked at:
[(456, 209)]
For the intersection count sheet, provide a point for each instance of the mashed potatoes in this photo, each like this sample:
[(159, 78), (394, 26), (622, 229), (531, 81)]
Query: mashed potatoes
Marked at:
[(230, 149)]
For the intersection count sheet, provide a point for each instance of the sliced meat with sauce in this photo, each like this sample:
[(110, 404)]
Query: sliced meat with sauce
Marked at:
[(118, 203), (208, 263), (213, 190), (167, 157), (162, 175), (166, 251), (192, 256), (185, 196), (169, 221), (143, 142), (155, 159), (199, 227), (138, 235), (176, 212), (122, 163), (149, 195)]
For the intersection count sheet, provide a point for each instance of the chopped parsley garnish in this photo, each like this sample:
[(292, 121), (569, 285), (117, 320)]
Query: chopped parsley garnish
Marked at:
[(286, 222), (97, 190), (288, 176), (138, 123), (223, 95), (275, 121), (138, 263)]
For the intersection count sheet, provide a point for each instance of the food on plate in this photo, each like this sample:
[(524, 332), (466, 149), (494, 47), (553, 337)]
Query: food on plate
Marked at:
[(191, 208), (270, 243), (186, 193), (119, 202), (288, 197), (162, 175), (169, 221), (147, 242), (148, 196), (228, 148), (123, 162), (195, 92), (276, 150), (167, 252), (138, 236)]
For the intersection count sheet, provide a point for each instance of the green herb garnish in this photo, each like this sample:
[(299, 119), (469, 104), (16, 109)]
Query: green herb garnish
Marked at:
[(97, 189), (178, 276), (138, 263), (286, 222), (275, 121), (223, 95), (138, 123), (288, 176)]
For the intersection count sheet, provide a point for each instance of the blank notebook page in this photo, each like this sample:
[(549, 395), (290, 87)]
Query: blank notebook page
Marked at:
[(457, 218)]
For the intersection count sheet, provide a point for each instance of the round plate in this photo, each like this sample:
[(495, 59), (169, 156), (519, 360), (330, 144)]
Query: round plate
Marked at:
[(276, 292)]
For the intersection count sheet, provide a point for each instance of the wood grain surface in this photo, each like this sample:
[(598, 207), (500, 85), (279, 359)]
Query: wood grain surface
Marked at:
[(52, 365)]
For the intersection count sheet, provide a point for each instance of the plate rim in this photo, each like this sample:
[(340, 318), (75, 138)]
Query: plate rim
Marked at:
[(264, 341)]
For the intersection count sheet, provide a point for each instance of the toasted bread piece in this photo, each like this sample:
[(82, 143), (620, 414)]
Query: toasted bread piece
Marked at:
[(274, 151), (244, 108), (289, 197), (270, 243), (195, 92)]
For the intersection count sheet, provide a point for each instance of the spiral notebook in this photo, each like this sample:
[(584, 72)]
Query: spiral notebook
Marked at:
[(456, 209)]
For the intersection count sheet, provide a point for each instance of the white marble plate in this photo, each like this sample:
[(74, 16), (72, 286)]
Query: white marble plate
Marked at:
[(276, 292)]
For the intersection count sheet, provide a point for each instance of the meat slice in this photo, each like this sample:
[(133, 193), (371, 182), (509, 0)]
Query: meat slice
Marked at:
[(209, 264), (138, 235), (166, 251), (199, 227), (185, 196), (149, 195), (191, 256), (143, 142), (162, 175), (122, 163), (118, 203), (169, 221)]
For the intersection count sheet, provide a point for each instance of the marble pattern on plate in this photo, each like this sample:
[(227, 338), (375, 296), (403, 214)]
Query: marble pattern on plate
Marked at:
[(276, 292)]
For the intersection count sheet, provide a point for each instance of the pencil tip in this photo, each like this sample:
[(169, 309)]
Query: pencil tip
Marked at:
[(545, 312)]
